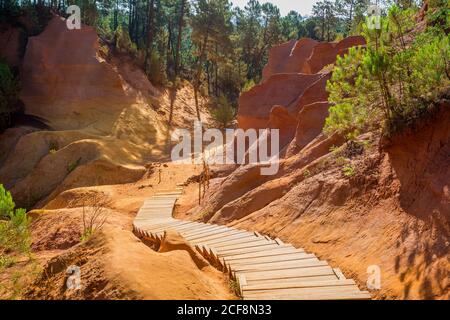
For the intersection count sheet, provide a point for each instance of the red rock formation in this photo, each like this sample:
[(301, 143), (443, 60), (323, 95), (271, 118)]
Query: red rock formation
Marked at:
[(56, 64), (326, 53), (292, 80), (11, 40), (311, 120), (281, 119), (289, 57), (281, 89), (316, 92)]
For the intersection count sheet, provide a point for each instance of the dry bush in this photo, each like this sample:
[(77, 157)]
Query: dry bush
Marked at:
[(94, 206)]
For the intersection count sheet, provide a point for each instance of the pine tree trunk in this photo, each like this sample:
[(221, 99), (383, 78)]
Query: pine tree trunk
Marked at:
[(180, 37), (151, 15)]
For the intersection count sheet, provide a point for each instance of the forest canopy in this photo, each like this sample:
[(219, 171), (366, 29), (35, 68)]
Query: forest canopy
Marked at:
[(220, 48)]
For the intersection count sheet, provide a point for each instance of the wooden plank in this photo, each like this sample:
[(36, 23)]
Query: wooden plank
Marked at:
[(314, 296), (242, 282), (293, 280), (298, 284), (233, 252), (189, 225), (249, 244), (154, 221), (277, 250), (212, 235), (150, 217), (165, 228), (270, 259), (156, 224), (161, 205), (233, 240), (339, 273), (305, 290), (283, 265), (289, 273), (265, 268), (159, 201), (161, 223), (140, 224), (228, 240), (156, 208), (205, 230)]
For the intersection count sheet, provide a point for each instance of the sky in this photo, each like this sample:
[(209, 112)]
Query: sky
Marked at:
[(304, 7)]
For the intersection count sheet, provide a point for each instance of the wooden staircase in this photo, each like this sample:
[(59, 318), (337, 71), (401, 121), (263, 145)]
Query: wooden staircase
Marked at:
[(265, 268)]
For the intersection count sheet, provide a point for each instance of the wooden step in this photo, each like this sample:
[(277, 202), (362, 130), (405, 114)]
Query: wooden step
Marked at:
[(276, 250), (191, 226), (265, 268), (246, 245), (230, 239), (212, 235), (297, 293), (262, 248), (208, 228), (168, 227), (362, 295), (236, 239), (289, 273), (282, 265), (298, 284), (271, 259), (288, 281)]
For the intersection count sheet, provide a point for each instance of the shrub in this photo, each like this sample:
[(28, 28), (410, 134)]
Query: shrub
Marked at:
[(155, 69), (73, 165), (348, 171), (124, 43), (390, 83), (6, 203), (53, 147), (224, 114), (94, 214), (14, 231), (306, 174), (9, 95)]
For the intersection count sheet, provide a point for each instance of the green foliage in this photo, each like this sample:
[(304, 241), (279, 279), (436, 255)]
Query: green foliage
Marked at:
[(53, 147), (391, 82), (341, 161), (248, 85), (224, 114), (9, 95), (234, 287), (439, 15), (6, 203), (156, 69), (430, 65), (6, 262), (14, 230), (123, 42), (73, 165), (348, 170), (307, 173)]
